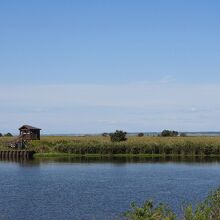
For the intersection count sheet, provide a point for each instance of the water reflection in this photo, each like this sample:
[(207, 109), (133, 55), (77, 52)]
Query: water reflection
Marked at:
[(113, 159), (122, 160)]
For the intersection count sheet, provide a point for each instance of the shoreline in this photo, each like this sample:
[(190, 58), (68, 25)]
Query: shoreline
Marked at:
[(60, 155)]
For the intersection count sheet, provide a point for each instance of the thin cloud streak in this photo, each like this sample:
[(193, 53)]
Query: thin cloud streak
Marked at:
[(125, 95), (93, 108)]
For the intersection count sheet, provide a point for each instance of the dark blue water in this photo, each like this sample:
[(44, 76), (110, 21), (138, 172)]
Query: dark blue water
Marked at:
[(99, 189)]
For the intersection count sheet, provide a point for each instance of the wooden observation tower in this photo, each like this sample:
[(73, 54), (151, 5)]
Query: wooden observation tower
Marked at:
[(27, 133)]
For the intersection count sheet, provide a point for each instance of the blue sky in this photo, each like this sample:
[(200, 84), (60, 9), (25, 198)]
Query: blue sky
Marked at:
[(93, 66)]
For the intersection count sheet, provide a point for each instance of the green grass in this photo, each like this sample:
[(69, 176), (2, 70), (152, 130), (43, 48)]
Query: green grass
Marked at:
[(141, 146)]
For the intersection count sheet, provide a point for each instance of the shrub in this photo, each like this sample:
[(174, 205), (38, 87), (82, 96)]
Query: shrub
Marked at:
[(140, 134), (118, 136), (105, 134), (8, 135), (1, 135), (167, 133), (149, 212), (207, 210)]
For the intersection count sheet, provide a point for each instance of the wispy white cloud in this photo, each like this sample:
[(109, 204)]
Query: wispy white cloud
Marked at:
[(168, 79), (93, 108)]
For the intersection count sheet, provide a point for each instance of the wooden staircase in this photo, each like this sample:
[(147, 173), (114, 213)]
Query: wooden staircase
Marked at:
[(20, 142)]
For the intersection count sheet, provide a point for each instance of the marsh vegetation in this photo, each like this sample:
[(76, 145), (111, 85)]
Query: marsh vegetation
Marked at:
[(186, 146), (207, 210)]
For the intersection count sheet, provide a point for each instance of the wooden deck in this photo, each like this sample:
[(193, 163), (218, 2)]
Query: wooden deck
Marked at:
[(16, 154)]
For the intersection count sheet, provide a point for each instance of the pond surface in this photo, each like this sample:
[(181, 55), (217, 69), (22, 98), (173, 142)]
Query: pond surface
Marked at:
[(66, 189)]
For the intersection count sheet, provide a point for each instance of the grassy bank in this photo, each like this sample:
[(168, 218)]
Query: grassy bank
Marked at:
[(141, 146)]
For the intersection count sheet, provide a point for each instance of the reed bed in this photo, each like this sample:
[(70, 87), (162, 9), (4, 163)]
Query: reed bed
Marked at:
[(193, 146), (203, 146), (4, 142)]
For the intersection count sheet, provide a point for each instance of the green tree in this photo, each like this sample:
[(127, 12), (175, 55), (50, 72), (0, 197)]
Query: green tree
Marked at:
[(118, 136), (140, 134), (168, 133), (8, 135)]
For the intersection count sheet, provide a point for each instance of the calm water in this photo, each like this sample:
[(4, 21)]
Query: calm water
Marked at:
[(94, 189)]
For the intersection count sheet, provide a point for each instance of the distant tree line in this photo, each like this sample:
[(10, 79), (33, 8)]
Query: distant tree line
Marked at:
[(170, 133), (6, 135), (119, 135)]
